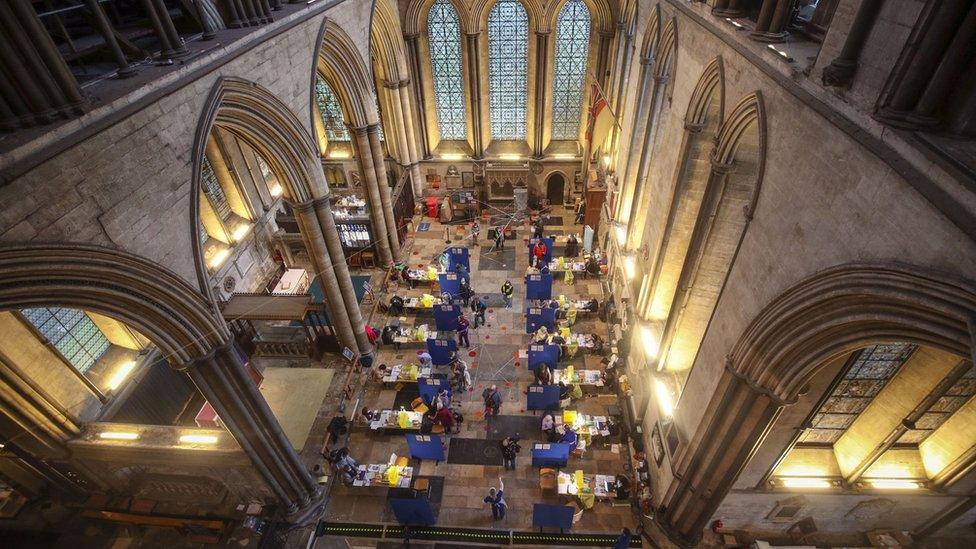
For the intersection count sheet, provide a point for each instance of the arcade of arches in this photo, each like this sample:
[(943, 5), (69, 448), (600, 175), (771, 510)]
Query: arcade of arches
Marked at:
[(722, 256)]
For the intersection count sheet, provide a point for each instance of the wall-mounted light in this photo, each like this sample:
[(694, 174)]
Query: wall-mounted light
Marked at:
[(664, 400), (340, 154), (893, 484), (198, 439), (510, 157), (630, 266), (215, 253), (805, 482), (239, 227), (452, 156), (276, 190), (119, 376), (564, 156), (118, 435), (620, 231), (780, 52), (649, 338)]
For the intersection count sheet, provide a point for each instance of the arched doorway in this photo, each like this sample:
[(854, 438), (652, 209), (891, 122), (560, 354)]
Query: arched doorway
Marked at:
[(555, 187)]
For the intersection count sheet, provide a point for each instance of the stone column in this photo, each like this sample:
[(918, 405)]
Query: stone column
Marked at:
[(638, 142), (40, 88), (728, 8), (322, 261), (105, 29), (841, 70), (413, 57), (234, 11), (603, 57), (399, 123), (542, 76), (735, 423), (474, 79), (624, 74), (386, 198), (773, 18), (416, 181), (365, 157), (635, 224), (223, 381)]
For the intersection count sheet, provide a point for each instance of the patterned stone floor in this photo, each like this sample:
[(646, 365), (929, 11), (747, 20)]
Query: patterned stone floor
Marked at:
[(494, 348)]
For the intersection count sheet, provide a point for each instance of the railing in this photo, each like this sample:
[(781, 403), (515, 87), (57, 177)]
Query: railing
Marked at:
[(51, 49)]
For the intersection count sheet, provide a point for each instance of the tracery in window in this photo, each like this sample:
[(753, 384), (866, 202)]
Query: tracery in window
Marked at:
[(569, 69), (508, 69), (444, 39), (331, 110), (73, 334), (212, 189)]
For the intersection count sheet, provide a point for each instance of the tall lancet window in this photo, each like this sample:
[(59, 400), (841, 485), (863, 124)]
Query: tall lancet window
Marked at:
[(569, 69), (444, 38), (331, 111), (508, 69)]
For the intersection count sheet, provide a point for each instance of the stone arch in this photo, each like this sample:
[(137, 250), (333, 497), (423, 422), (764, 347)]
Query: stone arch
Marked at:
[(833, 312), (126, 287), (257, 116), (667, 51), (730, 197), (652, 35), (415, 20), (340, 63), (601, 15), (702, 122), (386, 42), (481, 8)]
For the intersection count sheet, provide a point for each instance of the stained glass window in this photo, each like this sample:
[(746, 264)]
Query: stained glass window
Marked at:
[(444, 38), (73, 334), (335, 125), (215, 193), (569, 69), (508, 69)]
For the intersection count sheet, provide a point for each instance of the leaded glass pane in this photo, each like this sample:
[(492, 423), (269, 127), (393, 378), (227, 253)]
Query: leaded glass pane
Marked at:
[(508, 69), (569, 70), (73, 334), (444, 39), (335, 126), (211, 187)]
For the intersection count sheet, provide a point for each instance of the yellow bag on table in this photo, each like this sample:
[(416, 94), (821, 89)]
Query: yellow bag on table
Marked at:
[(560, 263), (411, 371), (565, 333), (568, 277), (568, 373), (392, 475), (427, 300), (569, 418), (403, 419), (431, 273), (578, 480), (571, 315)]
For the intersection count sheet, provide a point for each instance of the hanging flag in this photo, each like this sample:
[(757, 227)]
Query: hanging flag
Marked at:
[(601, 118)]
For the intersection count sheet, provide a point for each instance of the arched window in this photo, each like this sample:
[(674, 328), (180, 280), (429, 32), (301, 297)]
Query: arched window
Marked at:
[(335, 126), (73, 334), (444, 39), (508, 69), (569, 69)]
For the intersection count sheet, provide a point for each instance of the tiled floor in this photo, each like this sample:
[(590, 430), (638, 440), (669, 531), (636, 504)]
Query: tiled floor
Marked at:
[(493, 361)]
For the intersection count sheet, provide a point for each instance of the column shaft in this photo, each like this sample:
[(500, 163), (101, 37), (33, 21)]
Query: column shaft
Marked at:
[(386, 199), (638, 142), (415, 178), (635, 225), (323, 263), (365, 157), (542, 72), (169, 28), (413, 53), (952, 64), (392, 90), (474, 67), (841, 70), (105, 28)]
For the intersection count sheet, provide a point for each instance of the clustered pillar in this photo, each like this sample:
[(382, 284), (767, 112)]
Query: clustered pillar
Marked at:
[(474, 64), (413, 53), (841, 70), (637, 144), (40, 88), (542, 69), (386, 199), (635, 223), (371, 181), (222, 379)]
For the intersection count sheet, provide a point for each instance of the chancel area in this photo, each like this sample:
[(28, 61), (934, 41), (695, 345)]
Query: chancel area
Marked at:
[(445, 273)]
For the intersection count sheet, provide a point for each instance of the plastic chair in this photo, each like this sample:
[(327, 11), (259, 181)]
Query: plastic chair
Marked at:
[(547, 481), (437, 429), (418, 406), (402, 461)]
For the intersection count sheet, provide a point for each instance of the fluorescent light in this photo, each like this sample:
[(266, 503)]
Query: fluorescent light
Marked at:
[(650, 341), (118, 435), (510, 157), (564, 156), (630, 266), (452, 156), (119, 376), (606, 160), (805, 482), (339, 154), (198, 439), (240, 231), (664, 398), (218, 258), (894, 484), (276, 190)]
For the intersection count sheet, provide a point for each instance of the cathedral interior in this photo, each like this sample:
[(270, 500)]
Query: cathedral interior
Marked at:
[(478, 273)]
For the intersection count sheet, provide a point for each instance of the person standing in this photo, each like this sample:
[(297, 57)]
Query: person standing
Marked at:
[(499, 239), (580, 210), (465, 292), (496, 499), (508, 291), (462, 332), (371, 334), (480, 306), (539, 253), (510, 449), (493, 401), (475, 233), (623, 540)]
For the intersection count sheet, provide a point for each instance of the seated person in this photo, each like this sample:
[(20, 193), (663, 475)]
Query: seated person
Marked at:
[(592, 267), (396, 305), (564, 390), (622, 487), (549, 427), (405, 276), (543, 374), (572, 246), (369, 415), (378, 373), (541, 335), (570, 437), (388, 335), (425, 359)]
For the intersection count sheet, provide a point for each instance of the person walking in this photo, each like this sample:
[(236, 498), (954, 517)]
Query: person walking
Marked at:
[(480, 306), (465, 292), (493, 400), (510, 449), (499, 239), (475, 233), (371, 334), (496, 499), (539, 253), (508, 291), (623, 540), (462, 332)]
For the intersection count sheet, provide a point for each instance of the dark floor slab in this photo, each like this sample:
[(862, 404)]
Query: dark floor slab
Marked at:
[(498, 260), (527, 427), (405, 396), (474, 451), (553, 220)]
